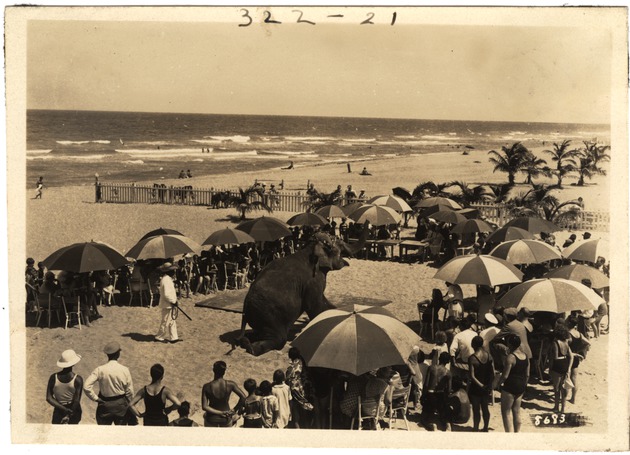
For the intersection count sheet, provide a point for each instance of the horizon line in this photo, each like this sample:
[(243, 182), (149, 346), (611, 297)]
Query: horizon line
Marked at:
[(320, 116)]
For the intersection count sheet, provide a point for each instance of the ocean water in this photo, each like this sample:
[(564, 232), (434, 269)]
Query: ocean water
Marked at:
[(69, 147)]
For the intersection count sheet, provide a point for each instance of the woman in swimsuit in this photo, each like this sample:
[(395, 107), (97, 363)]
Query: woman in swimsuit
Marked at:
[(215, 399), (481, 370), (513, 382), (561, 362), (579, 346), (155, 395)]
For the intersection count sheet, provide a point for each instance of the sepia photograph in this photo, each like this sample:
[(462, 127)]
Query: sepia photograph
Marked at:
[(367, 226)]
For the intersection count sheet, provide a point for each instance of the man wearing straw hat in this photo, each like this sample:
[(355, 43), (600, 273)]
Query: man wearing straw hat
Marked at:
[(168, 304), (64, 390), (115, 388)]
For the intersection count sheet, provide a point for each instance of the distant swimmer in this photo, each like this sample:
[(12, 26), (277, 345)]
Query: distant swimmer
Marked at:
[(39, 187), (121, 142), (182, 174), (188, 174), (290, 166), (365, 172)]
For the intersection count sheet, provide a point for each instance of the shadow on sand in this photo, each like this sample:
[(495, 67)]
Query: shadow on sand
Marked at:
[(142, 337)]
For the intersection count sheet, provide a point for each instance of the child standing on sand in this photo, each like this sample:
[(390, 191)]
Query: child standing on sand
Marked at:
[(269, 406), (283, 393)]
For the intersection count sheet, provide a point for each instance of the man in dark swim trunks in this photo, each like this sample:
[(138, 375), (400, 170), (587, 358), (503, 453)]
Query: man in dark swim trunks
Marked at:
[(215, 399)]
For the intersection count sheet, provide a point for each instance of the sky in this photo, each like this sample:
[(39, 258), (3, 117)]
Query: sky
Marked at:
[(458, 72)]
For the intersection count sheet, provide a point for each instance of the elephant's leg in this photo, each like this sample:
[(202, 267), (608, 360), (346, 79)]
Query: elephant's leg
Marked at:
[(267, 342)]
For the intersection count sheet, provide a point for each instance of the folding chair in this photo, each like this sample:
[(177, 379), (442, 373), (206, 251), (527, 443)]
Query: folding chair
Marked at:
[(368, 409), (72, 307), (399, 402)]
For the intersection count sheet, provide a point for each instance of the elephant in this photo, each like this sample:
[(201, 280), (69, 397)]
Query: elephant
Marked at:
[(290, 286)]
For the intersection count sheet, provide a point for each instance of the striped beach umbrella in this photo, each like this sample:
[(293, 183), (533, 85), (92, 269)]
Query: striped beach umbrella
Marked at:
[(555, 295), (355, 339), (350, 208), (479, 269), (265, 228), (331, 211), (378, 215), (85, 257), (579, 272), (307, 219), (426, 212), (163, 247), (525, 252), (393, 202), (587, 250), (228, 236)]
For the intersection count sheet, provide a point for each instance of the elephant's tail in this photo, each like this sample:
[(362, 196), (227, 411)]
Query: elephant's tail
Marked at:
[(243, 321)]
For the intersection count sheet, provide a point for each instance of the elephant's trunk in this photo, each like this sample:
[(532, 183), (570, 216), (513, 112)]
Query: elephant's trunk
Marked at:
[(350, 249)]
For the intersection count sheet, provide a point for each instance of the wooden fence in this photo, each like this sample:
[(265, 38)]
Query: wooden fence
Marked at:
[(295, 202)]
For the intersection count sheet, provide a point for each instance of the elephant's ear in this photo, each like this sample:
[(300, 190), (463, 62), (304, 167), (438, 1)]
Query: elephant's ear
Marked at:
[(314, 257)]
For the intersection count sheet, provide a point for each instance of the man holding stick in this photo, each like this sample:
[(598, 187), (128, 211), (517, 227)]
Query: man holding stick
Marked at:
[(168, 304)]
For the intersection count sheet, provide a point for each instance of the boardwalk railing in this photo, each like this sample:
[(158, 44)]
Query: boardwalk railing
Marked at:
[(129, 193)]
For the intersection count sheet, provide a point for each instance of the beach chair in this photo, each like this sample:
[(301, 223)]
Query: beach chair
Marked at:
[(398, 403), (368, 409), (139, 288), (72, 307), (45, 303), (231, 275)]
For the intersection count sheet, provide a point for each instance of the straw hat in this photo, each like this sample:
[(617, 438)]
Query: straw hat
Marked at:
[(166, 267), (68, 358)]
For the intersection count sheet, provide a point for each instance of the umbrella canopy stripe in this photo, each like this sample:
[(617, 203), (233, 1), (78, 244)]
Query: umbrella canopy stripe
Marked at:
[(160, 231), (331, 211), (474, 269), (587, 250), (525, 252), (428, 202), (228, 236), (579, 272), (378, 215), (163, 247), (505, 234), (307, 219), (555, 295), (265, 229), (393, 202)]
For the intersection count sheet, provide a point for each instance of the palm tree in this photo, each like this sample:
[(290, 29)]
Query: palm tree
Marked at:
[(533, 167), (539, 202), (466, 195), (499, 191), (248, 200), (318, 200), (564, 159), (511, 161), (590, 156), (429, 189)]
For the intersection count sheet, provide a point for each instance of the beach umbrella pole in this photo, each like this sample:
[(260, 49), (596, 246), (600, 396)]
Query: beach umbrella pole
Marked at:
[(183, 312)]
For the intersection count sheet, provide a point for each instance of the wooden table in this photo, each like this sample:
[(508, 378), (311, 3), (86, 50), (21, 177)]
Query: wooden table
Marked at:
[(407, 245), (388, 243)]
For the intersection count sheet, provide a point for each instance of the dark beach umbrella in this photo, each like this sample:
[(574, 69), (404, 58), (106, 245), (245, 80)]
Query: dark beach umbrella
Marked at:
[(307, 219), (163, 247), (555, 295), (331, 211), (85, 257), (471, 226), (508, 233), (355, 339), (532, 224), (228, 236), (428, 202), (587, 250), (579, 272), (525, 252), (265, 228), (160, 231), (448, 216), (479, 269), (428, 211), (469, 213)]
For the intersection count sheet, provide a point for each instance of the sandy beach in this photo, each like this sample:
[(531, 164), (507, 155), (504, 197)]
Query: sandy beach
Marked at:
[(68, 214)]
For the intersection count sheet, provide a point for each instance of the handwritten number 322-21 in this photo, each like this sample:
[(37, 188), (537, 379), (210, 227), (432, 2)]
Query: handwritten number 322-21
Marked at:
[(268, 19)]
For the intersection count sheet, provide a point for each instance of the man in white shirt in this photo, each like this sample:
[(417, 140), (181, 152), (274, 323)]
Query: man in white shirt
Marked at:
[(488, 334), (168, 304), (461, 347), (115, 388)]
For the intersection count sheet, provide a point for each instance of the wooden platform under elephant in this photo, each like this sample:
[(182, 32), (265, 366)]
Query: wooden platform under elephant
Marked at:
[(232, 300)]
